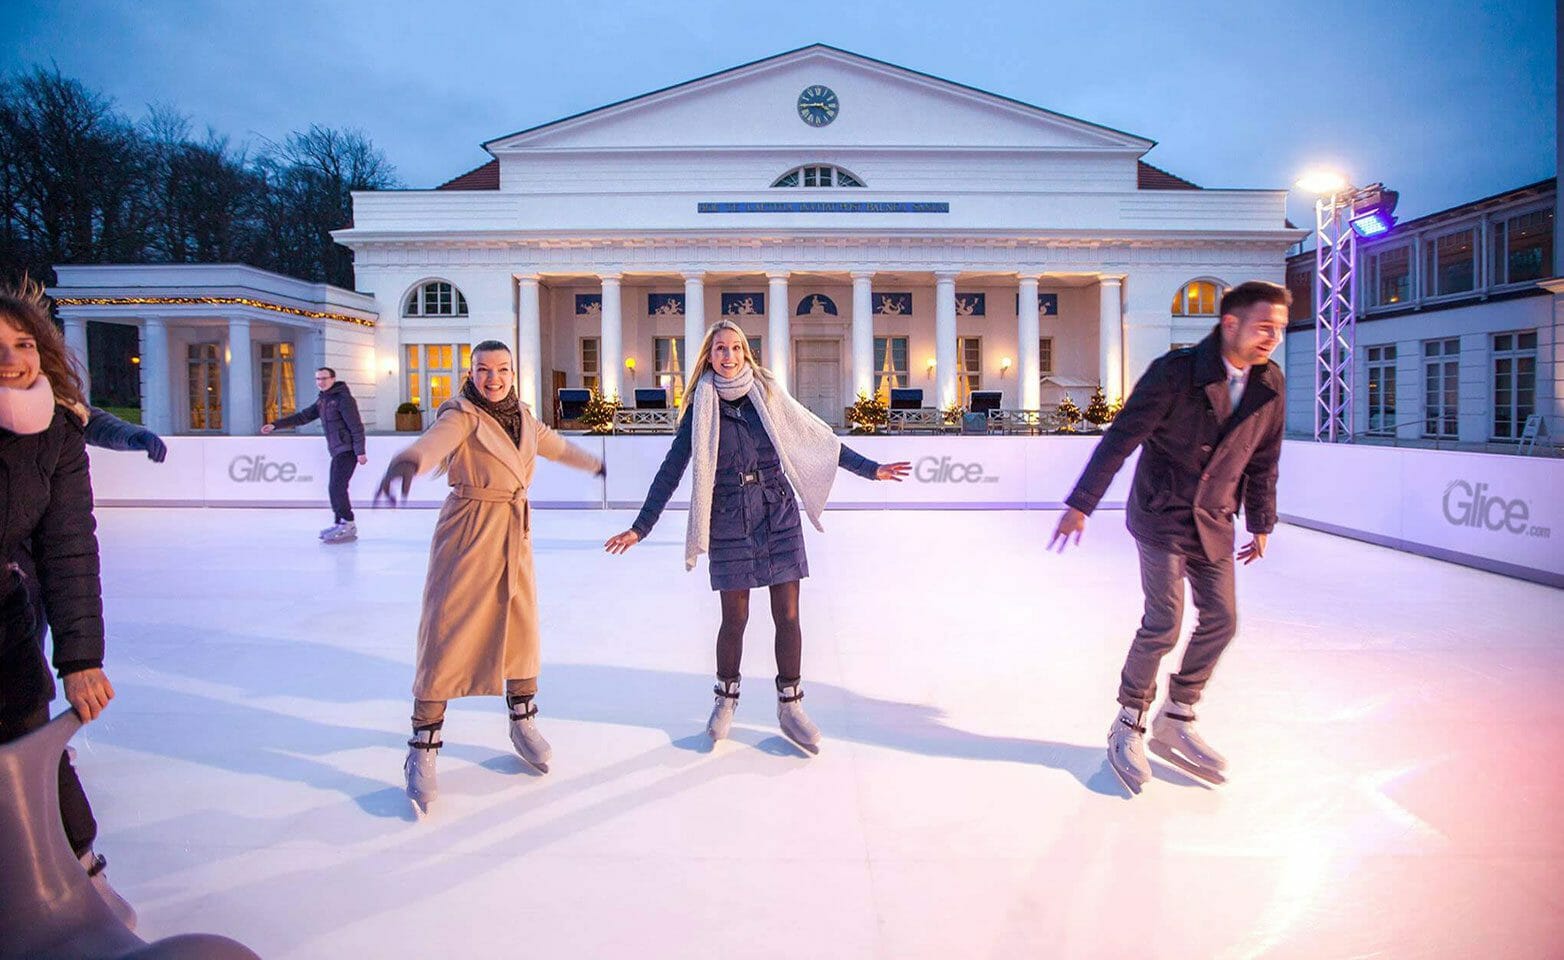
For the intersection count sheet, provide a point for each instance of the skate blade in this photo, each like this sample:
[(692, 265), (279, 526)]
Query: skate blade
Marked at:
[(538, 766), (1187, 766), (1132, 788), (813, 749), (420, 809)]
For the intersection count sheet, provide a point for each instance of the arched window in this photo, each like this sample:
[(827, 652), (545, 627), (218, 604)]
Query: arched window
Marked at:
[(1197, 298), (435, 298), (817, 175)]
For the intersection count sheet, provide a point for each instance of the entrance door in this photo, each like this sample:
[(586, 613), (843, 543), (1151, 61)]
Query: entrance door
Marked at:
[(205, 378), (817, 378)]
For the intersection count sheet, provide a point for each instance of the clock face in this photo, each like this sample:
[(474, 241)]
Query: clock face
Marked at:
[(817, 105)]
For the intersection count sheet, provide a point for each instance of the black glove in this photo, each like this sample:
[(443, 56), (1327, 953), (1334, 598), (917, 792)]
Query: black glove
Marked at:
[(153, 444)]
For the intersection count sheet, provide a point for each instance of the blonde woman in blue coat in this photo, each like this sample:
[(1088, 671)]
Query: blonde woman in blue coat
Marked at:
[(756, 453)]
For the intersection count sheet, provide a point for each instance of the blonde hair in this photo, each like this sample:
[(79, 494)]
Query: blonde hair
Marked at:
[(702, 364)]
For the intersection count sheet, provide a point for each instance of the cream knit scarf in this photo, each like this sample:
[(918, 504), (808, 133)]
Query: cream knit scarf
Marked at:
[(806, 446)]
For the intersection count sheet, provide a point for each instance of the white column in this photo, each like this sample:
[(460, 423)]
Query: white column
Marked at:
[(156, 388), (1110, 338), (241, 416), (1027, 340), (529, 344), (307, 358), (694, 320), (779, 339), (945, 338), (863, 334), (611, 349), (76, 340)]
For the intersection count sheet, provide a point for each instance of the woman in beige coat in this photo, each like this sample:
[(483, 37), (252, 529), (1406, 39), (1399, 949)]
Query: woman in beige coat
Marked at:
[(478, 635)]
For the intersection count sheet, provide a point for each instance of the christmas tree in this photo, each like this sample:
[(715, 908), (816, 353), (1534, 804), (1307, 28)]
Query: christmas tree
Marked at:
[(598, 414), (1097, 411), (1068, 413), (868, 414)]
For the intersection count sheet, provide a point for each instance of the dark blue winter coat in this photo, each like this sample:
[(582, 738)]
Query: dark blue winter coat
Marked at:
[(757, 537), (338, 414)]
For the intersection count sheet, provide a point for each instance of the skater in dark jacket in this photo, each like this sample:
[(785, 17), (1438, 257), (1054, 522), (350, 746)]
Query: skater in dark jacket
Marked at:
[(1208, 423), (337, 412), (53, 552), (753, 447)]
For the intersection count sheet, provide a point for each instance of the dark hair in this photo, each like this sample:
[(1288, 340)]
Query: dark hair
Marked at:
[(22, 307), (488, 345), (328, 370), (1251, 292)]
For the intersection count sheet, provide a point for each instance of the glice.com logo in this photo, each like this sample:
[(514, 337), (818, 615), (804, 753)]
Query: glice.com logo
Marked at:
[(1466, 505), (248, 469), (946, 470)]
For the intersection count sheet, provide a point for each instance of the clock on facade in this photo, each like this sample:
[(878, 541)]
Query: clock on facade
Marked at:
[(817, 105)]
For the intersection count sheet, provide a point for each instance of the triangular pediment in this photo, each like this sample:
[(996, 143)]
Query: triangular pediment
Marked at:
[(879, 105)]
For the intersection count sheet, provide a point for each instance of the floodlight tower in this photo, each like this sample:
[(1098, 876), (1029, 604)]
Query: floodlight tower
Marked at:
[(1342, 214)]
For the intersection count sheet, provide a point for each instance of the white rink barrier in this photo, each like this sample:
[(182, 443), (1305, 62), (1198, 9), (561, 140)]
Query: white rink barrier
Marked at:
[(1497, 513)]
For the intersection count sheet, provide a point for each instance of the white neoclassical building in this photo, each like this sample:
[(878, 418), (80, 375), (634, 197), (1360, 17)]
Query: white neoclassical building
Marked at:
[(865, 224)]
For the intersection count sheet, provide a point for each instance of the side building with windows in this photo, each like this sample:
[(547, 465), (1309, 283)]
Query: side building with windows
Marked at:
[(868, 226), (1458, 330), (217, 348)]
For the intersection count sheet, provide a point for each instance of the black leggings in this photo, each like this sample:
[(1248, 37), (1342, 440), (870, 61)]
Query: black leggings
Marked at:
[(342, 467), (784, 613), (76, 813)]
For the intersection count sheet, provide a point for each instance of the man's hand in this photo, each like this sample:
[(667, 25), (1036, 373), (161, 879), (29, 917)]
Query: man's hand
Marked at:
[(1073, 521), (398, 470), (89, 691), (267, 428), (1253, 550), (363, 459)]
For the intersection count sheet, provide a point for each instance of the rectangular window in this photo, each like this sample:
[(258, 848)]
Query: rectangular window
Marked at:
[(1514, 383), (1382, 390), (1045, 356), (894, 372), (969, 366), (1523, 248), (1452, 263), (434, 371), (1441, 387), (1300, 283), (277, 385), (669, 364), (589, 363), (205, 376), (1390, 277)]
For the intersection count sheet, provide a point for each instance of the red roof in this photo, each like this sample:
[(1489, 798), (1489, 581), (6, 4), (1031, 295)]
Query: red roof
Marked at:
[(486, 177), (1148, 177)]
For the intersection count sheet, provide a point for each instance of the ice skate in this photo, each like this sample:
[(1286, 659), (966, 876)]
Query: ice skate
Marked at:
[(1127, 749), (524, 735), (422, 788), (1175, 739), (795, 723), (329, 531), (344, 532), (118, 905), (721, 721)]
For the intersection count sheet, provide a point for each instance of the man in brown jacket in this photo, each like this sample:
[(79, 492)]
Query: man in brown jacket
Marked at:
[(1208, 421)]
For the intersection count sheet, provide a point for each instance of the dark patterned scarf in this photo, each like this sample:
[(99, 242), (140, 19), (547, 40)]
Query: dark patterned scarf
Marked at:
[(506, 413)]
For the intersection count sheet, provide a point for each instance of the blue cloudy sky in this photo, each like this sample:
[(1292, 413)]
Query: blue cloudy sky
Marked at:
[(1445, 101)]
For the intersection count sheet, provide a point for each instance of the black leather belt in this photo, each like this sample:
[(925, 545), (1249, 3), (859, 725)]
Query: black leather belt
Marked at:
[(752, 476)]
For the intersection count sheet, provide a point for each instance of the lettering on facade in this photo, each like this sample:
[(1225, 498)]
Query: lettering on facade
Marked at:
[(946, 470), (1471, 505), (248, 469)]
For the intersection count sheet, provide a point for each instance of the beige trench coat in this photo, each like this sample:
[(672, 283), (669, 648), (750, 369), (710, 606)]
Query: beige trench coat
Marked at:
[(480, 618)]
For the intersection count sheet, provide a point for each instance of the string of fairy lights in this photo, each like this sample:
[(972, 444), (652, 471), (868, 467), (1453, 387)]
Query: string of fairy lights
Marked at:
[(210, 301)]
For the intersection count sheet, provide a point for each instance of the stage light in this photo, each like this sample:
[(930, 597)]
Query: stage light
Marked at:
[(1373, 210), (1323, 182)]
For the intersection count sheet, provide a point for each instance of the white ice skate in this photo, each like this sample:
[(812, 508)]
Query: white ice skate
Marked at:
[(418, 768), (344, 532), (329, 531), (721, 721), (794, 721), (1127, 749), (1175, 739), (524, 735)]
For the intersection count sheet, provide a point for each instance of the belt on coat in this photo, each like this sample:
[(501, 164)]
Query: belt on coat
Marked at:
[(748, 477), (521, 510)]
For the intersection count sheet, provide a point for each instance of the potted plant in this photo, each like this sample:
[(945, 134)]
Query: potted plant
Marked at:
[(409, 417)]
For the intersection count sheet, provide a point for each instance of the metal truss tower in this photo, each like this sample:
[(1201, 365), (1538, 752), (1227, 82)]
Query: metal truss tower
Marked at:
[(1335, 316)]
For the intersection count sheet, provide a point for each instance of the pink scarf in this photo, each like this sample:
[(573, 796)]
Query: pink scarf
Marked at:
[(27, 411)]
